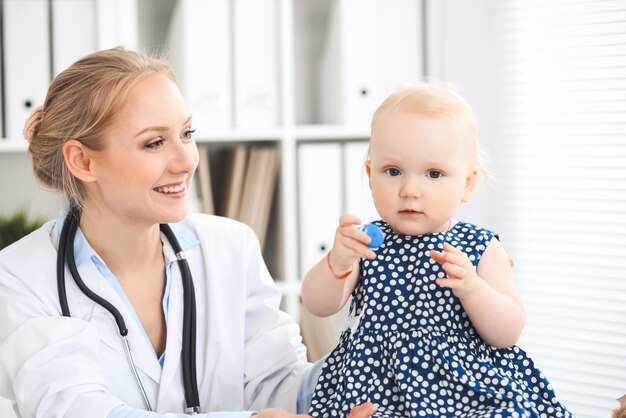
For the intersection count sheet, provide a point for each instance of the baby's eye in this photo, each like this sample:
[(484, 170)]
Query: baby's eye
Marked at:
[(155, 144), (188, 134), (434, 174), (392, 172)]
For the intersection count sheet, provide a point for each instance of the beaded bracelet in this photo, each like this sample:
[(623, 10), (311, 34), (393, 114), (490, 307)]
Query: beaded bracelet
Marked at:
[(340, 277)]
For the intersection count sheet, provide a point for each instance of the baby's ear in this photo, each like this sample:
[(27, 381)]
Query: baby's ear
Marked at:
[(470, 184), (368, 170)]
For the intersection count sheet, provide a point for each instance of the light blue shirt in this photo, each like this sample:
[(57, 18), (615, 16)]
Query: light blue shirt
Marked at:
[(84, 252)]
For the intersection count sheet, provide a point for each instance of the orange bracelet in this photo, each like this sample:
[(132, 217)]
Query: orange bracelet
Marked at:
[(340, 277)]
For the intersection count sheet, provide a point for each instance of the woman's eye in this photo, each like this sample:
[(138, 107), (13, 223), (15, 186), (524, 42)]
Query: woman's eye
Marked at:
[(155, 144), (188, 134), (434, 174), (392, 172)]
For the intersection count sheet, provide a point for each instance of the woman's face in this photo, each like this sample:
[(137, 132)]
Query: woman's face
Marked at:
[(144, 172)]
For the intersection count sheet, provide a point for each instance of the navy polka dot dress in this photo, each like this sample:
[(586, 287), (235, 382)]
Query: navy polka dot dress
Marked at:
[(413, 351)]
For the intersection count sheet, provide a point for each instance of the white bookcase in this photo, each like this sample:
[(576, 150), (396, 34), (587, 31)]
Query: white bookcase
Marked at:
[(311, 74)]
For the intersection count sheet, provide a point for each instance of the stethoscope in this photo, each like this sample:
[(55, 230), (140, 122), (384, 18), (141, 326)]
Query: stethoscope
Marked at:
[(66, 252)]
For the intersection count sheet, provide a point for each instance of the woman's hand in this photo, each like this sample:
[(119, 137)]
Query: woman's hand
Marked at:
[(363, 411), (350, 244), (462, 277)]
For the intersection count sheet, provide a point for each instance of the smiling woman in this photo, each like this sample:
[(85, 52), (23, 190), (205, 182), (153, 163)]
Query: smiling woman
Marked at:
[(157, 293)]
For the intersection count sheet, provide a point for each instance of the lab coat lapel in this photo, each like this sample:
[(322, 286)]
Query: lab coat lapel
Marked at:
[(172, 367), (143, 353)]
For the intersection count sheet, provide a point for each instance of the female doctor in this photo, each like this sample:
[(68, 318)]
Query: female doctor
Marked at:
[(110, 337)]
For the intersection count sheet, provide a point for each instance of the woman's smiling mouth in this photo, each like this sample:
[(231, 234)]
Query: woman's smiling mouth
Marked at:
[(172, 189)]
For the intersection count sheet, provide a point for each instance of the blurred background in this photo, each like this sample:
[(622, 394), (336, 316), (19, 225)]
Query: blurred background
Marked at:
[(282, 92)]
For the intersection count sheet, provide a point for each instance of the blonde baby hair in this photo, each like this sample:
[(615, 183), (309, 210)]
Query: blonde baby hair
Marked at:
[(436, 100)]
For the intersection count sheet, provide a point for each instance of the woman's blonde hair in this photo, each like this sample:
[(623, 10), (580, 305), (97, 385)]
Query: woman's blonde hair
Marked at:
[(80, 104), (436, 100)]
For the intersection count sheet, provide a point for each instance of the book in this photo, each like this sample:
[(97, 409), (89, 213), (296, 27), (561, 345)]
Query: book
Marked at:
[(267, 187), (258, 189), (236, 171)]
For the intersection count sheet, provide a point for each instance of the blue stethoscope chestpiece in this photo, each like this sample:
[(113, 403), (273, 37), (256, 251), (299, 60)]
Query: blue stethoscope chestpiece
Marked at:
[(375, 234)]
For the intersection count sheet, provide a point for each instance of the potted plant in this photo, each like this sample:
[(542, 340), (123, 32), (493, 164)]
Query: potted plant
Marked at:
[(15, 226)]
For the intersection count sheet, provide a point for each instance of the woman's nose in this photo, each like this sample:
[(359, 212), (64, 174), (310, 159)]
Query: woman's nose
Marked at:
[(186, 156)]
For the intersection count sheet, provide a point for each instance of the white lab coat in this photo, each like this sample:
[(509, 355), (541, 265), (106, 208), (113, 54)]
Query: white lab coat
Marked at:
[(249, 353)]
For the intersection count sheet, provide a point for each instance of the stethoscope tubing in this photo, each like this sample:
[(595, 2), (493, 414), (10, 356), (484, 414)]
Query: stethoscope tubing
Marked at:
[(66, 255), (189, 323)]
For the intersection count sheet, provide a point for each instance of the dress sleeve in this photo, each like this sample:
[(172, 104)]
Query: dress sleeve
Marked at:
[(274, 356)]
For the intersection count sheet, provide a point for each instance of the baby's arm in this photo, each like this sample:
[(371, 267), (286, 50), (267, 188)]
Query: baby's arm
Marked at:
[(488, 293), (324, 291)]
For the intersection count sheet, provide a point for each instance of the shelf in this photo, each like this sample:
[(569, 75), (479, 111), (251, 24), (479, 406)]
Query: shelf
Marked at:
[(248, 135), (330, 132), (308, 77)]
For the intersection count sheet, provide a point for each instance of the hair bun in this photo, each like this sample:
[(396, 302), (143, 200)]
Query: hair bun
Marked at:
[(32, 123)]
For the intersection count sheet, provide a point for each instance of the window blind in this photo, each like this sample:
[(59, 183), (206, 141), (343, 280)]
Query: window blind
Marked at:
[(560, 90)]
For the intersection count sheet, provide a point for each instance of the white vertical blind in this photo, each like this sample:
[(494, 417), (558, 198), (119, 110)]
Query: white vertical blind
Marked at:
[(560, 83)]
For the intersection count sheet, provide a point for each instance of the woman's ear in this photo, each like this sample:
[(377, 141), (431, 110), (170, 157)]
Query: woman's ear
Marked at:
[(78, 161), (470, 185)]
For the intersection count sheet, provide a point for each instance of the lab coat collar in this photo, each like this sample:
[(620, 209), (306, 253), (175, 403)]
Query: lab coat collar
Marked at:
[(186, 239)]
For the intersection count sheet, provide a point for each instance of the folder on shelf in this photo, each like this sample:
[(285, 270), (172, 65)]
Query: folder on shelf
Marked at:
[(348, 68), (371, 48), (358, 193), (258, 189), (199, 44), (269, 175), (118, 23), (402, 47), (256, 63), (204, 174), (26, 57), (320, 199), (249, 193), (73, 31), (236, 170)]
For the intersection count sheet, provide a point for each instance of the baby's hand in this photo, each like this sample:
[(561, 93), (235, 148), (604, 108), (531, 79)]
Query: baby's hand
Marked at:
[(350, 244), (462, 277)]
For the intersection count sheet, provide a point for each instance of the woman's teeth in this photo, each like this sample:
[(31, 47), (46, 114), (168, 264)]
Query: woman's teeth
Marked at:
[(171, 189)]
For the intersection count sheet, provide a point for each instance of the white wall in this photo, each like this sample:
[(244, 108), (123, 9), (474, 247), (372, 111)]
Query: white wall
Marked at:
[(459, 53)]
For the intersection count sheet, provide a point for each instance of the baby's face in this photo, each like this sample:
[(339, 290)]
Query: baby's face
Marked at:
[(421, 168)]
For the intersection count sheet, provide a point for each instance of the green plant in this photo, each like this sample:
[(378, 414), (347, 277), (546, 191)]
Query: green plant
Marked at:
[(15, 226)]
